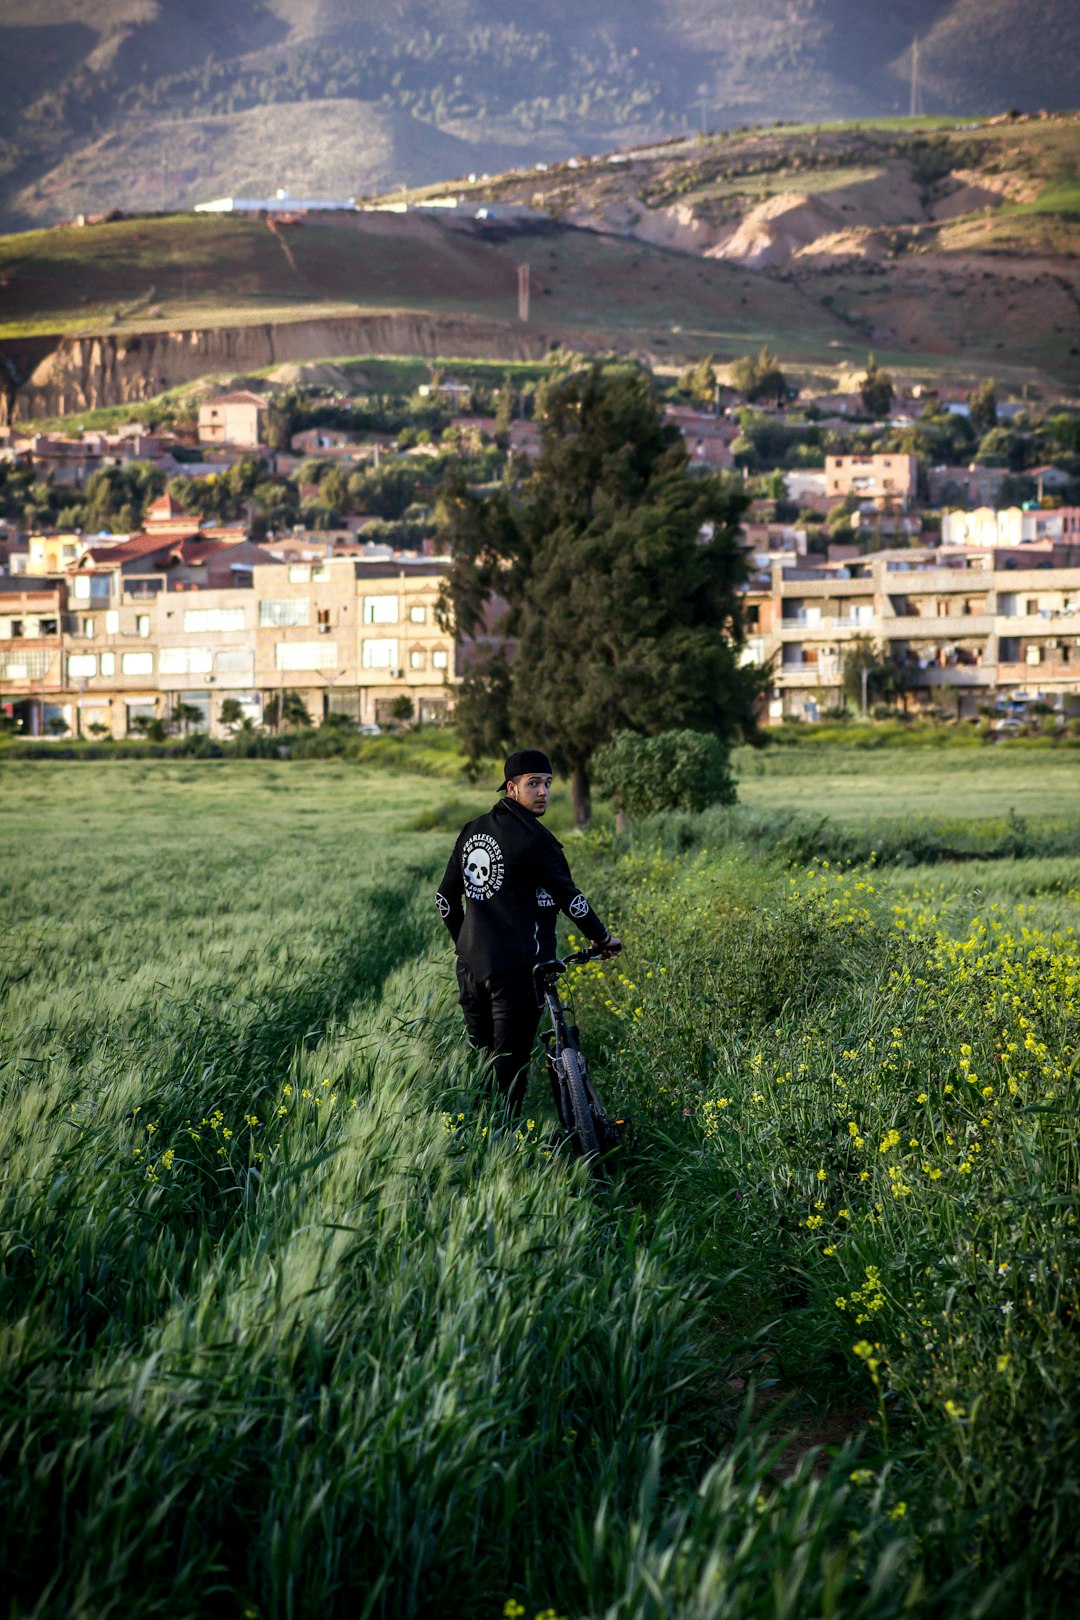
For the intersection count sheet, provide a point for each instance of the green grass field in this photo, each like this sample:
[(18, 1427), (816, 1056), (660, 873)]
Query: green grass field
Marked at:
[(846, 786), (291, 1327)]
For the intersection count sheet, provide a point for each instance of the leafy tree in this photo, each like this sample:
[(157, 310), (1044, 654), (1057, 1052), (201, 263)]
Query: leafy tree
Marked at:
[(231, 713), (982, 408), (186, 715), (504, 412), (876, 389), (760, 377), (294, 711), (885, 677), (675, 770), (278, 431), (614, 571), (698, 382), (402, 709), (1063, 431), (1002, 447)]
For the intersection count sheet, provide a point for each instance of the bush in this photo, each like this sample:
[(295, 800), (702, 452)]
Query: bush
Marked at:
[(676, 770)]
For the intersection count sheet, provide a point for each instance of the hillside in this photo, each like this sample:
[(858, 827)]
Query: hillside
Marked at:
[(137, 103), (945, 248)]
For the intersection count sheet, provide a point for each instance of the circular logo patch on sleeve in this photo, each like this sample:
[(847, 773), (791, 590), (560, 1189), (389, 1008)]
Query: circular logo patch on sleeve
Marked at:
[(482, 867), (443, 904), (579, 906)]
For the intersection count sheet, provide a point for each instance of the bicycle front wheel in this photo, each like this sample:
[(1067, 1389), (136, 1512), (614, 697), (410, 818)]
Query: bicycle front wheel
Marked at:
[(584, 1119)]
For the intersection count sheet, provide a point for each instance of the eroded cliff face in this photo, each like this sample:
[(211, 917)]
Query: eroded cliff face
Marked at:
[(61, 375)]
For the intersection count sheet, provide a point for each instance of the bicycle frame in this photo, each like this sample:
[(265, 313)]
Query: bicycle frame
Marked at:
[(576, 1101)]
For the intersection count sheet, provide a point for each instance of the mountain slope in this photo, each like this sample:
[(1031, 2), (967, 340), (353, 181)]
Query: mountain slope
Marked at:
[(474, 79)]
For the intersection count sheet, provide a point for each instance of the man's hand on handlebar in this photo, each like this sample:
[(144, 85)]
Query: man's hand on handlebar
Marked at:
[(609, 947)]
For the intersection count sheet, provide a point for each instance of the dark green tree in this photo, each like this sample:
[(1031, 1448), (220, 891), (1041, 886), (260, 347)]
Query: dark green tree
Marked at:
[(231, 713), (876, 389), (504, 411), (186, 715), (885, 677), (759, 377), (982, 408), (294, 711), (698, 382), (604, 589)]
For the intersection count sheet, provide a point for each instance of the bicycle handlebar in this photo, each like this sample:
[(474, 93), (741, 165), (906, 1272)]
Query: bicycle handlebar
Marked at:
[(592, 953)]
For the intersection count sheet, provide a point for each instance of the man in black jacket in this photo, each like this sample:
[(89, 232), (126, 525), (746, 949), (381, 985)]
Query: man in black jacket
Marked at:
[(514, 877)]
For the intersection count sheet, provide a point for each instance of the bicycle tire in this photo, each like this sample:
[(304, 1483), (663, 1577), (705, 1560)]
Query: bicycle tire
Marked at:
[(584, 1122)]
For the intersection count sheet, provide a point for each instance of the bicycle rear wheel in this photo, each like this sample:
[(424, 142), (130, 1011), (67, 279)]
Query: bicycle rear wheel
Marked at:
[(585, 1128)]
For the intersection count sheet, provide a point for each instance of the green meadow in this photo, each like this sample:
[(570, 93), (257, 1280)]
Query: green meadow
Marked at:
[(292, 1325)]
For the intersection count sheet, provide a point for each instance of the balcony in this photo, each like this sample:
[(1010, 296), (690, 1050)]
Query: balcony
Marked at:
[(962, 675), (950, 627), (1056, 671), (807, 677)]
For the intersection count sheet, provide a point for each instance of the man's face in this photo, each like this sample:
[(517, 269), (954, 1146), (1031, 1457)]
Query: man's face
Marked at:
[(530, 791)]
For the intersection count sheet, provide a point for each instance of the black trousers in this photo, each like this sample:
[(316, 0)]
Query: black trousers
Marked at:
[(501, 1016)]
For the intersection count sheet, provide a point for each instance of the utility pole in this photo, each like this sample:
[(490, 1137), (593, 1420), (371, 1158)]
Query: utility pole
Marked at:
[(916, 97), (523, 292)]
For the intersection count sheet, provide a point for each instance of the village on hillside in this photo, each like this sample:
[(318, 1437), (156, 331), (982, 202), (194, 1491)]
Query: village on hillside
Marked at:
[(271, 562)]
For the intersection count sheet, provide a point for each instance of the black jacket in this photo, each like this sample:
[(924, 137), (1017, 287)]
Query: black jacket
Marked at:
[(514, 876)]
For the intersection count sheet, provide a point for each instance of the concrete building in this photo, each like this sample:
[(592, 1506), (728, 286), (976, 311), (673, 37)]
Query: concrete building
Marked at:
[(233, 419), (1012, 526), (32, 689), (888, 480), (129, 636), (963, 628)]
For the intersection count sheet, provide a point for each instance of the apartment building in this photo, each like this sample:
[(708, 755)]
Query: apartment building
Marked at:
[(109, 649), (31, 655), (888, 480), (963, 627)]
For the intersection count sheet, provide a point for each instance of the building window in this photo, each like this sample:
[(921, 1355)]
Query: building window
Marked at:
[(88, 629), (418, 615), (299, 573), (233, 660), (186, 661), (417, 660), (137, 663), (297, 655), (81, 590), (142, 624), (322, 618), (81, 666), (1033, 655), (380, 610), (285, 614), (112, 623), (440, 660), (108, 663), (380, 654)]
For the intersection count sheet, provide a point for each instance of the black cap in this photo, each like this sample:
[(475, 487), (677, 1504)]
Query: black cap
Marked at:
[(524, 761)]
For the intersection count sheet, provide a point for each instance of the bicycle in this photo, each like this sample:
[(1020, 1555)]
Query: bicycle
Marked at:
[(577, 1103)]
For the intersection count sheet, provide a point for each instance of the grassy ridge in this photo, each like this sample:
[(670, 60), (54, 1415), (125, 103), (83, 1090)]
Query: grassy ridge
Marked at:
[(291, 1328)]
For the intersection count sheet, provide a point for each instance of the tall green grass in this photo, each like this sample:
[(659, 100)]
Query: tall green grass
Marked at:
[(294, 1324)]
